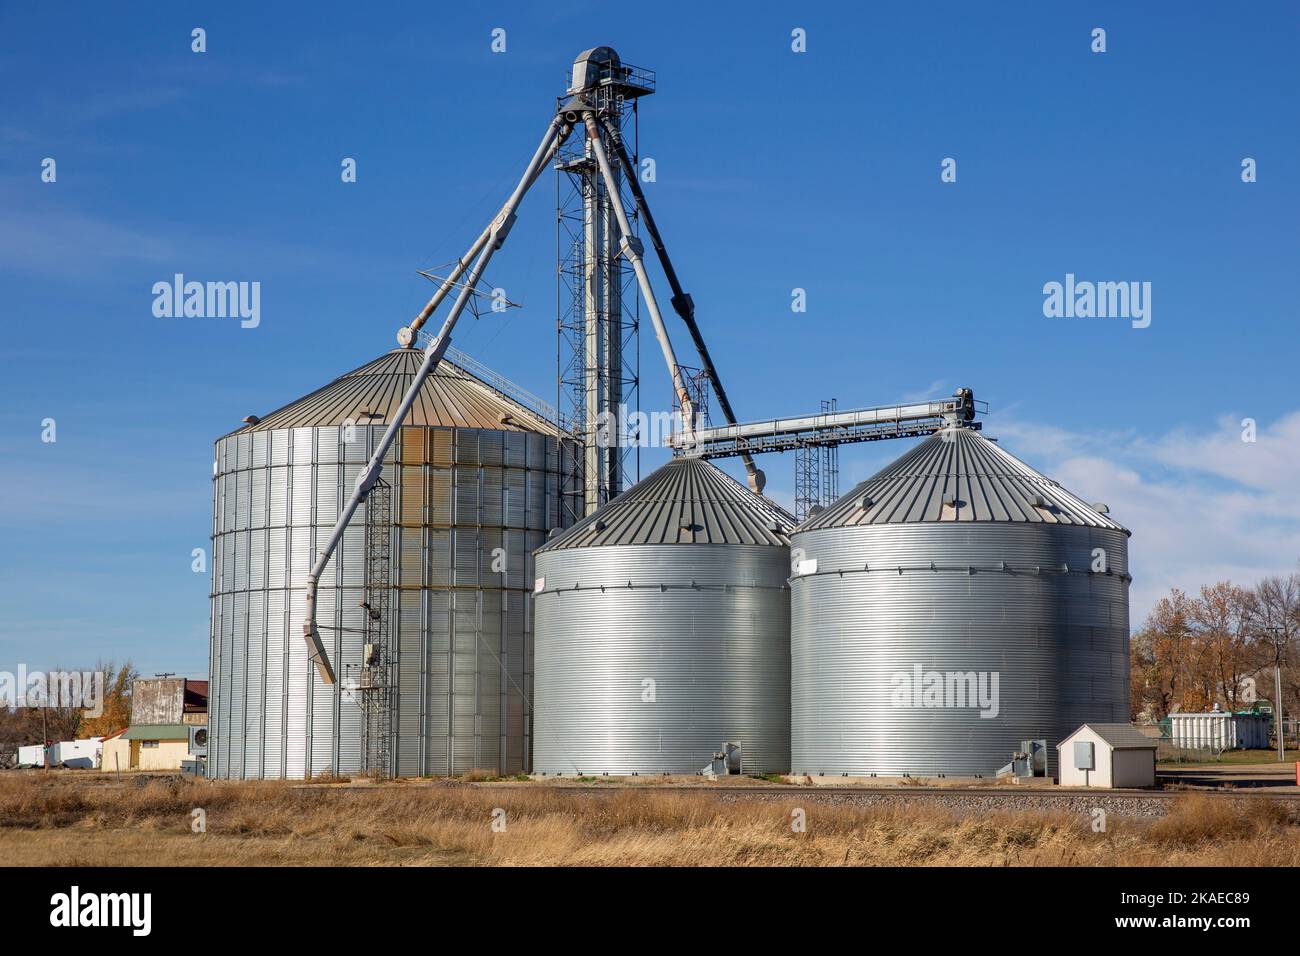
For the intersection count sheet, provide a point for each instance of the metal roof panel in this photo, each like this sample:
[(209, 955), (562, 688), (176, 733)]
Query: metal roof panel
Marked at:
[(988, 482), (687, 501), (450, 398)]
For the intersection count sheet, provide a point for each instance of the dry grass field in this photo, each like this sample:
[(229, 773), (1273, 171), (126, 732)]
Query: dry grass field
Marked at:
[(75, 819)]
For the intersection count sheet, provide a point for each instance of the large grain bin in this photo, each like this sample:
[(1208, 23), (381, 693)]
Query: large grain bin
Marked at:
[(475, 478), (662, 630), (953, 605)]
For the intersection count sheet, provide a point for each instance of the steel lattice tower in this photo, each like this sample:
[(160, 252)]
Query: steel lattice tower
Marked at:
[(830, 466), (598, 354), (816, 472)]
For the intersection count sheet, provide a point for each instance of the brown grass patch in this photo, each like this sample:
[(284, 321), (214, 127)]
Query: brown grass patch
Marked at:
[(57, 819)]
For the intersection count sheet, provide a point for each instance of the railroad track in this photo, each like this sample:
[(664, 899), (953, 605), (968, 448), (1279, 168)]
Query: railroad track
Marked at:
[(1138, 803), (973, 800)]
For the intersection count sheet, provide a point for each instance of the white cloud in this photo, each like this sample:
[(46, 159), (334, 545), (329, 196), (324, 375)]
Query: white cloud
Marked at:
[(1202, 506), (1259, 464)]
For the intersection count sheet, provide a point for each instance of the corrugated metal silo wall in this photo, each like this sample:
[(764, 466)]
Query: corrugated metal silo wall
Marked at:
[(708, 624), (1058, 642), (463, 637)]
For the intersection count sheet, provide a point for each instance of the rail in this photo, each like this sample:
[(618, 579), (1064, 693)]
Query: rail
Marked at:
[(516, 393)]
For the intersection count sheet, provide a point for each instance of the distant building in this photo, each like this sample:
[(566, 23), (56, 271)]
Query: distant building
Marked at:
[(115, 754), (1219, 730), (157, 746), (169, 700), (162, 711), (1108, 755)]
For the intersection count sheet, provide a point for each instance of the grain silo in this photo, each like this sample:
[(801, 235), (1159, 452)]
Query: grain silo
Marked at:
[(950, 607), (662, 630), (474, 481)]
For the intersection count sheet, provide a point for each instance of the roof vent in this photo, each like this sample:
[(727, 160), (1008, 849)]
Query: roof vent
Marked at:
[(1038, 501), (251, 419), (950, 499), (1101, 507), (815, 510), (866, 502), (599, 526), (553, 533)]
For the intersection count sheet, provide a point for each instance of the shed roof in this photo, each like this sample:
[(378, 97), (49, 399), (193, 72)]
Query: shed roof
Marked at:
[(958, 475), (450, 398), (1119, 736), (157, 732), (687, 501)]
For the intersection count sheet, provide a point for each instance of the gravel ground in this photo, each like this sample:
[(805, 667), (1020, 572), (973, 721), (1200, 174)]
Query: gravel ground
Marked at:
[(975, 801)]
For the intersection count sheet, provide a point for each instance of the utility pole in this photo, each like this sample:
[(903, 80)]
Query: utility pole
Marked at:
[(1278, 644)]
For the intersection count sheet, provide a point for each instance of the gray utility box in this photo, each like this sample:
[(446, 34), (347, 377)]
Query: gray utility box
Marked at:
[(1084, 757)]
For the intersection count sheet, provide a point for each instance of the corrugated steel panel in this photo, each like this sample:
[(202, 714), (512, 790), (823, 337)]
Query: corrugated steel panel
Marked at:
[(262, 721), (254, 690), (958, 475), (261, 450), (687, 501), (1015, 599), (707, 624), (277, 625), (270, 714)]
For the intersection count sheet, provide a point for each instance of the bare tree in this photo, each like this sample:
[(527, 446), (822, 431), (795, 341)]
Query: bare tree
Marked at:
[(1226, 655), (1159, 656), (1275, 622)]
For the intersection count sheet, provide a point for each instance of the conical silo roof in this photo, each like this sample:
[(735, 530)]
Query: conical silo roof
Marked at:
[(687, 501), (370, 395), (958, 475)]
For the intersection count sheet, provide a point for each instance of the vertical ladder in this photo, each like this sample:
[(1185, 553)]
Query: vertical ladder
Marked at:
[(830, 467), (375, 687)]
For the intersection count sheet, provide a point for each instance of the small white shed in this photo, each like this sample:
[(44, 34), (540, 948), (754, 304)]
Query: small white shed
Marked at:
[(1107, 755)]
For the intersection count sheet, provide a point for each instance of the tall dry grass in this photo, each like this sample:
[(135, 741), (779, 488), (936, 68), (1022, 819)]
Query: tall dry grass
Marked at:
[(66, 819)]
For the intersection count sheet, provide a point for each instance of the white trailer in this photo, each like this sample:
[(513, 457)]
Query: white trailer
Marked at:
[(79, 754), (33, 756)]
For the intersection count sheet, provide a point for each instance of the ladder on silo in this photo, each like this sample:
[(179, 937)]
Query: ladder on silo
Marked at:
[(375, 686)]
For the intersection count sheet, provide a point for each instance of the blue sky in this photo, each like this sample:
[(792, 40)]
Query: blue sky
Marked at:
[(775, 170)]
